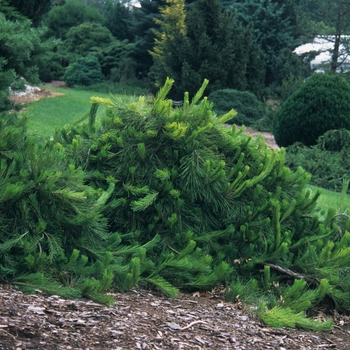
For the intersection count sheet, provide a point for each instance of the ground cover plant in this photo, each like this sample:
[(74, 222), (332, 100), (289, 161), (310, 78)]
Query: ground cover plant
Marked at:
[(170, 198), (327, 161)]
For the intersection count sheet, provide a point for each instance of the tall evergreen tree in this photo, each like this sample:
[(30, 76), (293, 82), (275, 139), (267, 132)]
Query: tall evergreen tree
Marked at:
[(143, 30), (275, 30), (337, 15), (119, 20), (216, 47), (32, 9), (168, 52)]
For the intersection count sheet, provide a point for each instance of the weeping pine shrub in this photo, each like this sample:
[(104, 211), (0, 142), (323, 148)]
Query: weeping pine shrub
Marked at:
[(221, 207), (53, 236)]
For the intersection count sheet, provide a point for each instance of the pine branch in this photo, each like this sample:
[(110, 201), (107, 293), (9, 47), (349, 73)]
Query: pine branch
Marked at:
[(287, 271), (144, 202), (200, 92), (163, 286), (285, 317)]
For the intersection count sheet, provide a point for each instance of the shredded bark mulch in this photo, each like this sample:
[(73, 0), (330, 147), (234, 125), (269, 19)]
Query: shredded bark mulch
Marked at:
[(142, 319)]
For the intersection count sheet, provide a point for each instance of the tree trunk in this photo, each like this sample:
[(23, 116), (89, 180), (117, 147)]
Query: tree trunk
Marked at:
[(337, 38)]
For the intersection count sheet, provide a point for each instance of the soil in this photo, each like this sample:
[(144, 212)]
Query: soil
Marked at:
[(143, 319), (268, 137)]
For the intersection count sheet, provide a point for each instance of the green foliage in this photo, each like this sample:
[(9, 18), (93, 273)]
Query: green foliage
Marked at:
[(275, 26), (10, 12), (188, 204), (61, 18), (90, 39), (52, 64), (52, 234), (334, 140), (117, 62), (217, 205), (82, 34), (81, 41), (84, 71), (86, 38), (143, 28), (322, 103), (32, 9), (249, 109), (118, 18), (327, 161), (284, 317), (290, 84), (19, 43), (211, 46)]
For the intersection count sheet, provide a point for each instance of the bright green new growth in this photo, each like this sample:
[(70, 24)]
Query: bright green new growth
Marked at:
[(218, 206)]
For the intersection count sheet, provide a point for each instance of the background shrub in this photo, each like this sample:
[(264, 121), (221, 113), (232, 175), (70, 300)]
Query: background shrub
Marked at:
[(328, 161), (334, 140), (319, 105), (84, 71), (245, 103)]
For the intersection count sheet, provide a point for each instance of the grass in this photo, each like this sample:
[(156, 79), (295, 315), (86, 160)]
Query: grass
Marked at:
[(331, 199), (48, 114)]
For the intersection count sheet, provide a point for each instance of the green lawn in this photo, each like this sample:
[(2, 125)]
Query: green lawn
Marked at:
[(331, 199), (48, 114)]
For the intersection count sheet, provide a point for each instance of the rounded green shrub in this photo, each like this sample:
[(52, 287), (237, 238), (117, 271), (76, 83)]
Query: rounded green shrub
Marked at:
[(207, 204), (249, 109), (84, 71), (322, 103)]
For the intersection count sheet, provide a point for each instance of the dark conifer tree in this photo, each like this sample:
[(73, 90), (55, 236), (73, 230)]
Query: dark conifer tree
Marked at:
[(32, 9), (277, 30), (119, 20), (143, 31), (215, 47)]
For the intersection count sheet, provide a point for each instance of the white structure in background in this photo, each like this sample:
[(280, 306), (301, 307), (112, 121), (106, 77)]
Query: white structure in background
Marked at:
[(322, 46), (28, 91)]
